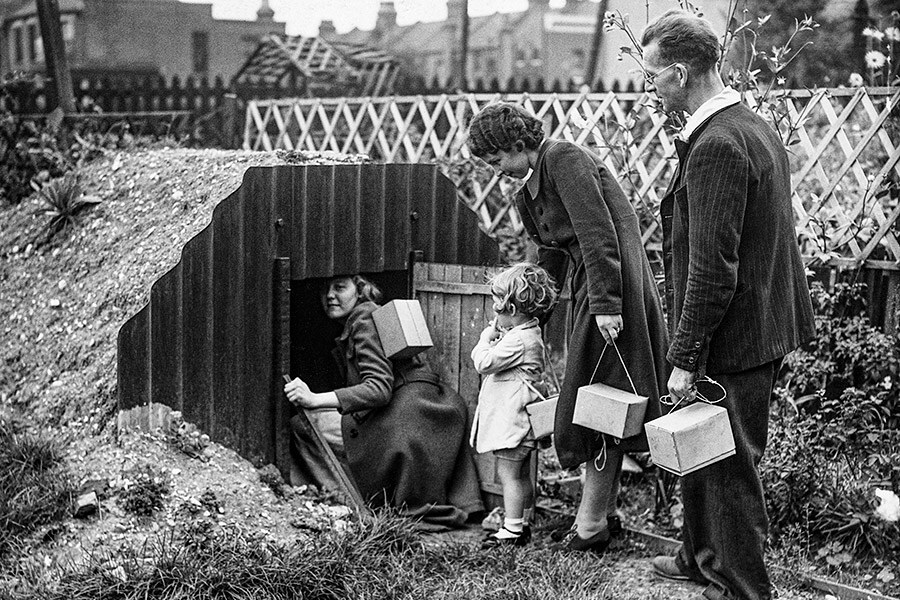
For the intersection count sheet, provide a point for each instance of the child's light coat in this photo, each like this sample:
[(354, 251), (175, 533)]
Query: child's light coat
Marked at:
[(500, 419)]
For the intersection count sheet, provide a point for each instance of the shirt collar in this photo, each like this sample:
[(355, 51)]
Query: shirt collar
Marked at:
[(727, 97)]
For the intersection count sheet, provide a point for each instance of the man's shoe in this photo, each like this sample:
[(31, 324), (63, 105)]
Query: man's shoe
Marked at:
[(667, 566)]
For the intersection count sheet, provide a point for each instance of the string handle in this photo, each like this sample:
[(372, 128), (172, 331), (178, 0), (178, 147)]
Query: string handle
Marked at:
[(667, 398), (621, 360), (533, 389), (603, 453)]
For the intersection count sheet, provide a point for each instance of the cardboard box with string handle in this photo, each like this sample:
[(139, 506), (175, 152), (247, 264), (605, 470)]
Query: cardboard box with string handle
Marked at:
[(542, 414), (690, 438), (610, 410)]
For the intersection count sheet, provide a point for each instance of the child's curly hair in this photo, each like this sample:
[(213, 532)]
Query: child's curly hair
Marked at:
[(501, 126), (524, 287)]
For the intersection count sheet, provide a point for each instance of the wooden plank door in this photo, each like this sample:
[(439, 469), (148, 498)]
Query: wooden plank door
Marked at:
[(457, 306)]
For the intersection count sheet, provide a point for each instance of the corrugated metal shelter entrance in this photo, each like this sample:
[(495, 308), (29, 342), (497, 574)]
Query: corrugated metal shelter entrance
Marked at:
[(216, 337)]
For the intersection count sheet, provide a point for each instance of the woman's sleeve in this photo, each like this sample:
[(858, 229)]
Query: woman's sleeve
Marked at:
[(577, 181), (492, 358), (375, 370)]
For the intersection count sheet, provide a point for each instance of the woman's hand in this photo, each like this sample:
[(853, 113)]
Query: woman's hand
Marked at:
[(299, 394), (609, 326)]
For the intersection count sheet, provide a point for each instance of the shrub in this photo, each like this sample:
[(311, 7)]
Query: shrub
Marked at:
[(835, 435), (35, 486), (144, 490)]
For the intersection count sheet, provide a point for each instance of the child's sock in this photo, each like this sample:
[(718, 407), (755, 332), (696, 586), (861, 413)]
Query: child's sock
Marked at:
[(512, 528)]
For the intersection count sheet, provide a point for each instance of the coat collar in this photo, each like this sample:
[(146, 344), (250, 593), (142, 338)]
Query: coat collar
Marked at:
[(529, 324), (533, 182), (359, 311)]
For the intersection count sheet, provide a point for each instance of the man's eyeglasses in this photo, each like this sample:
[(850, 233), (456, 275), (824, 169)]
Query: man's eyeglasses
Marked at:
[(650, 78)]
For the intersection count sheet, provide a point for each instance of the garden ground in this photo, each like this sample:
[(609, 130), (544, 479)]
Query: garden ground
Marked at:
[(65, 296)]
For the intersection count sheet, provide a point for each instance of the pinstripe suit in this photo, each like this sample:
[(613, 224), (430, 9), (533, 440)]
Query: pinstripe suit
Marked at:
[(738, 302)]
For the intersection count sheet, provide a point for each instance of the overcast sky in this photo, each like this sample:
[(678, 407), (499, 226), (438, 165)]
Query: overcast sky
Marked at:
[(303, 16)]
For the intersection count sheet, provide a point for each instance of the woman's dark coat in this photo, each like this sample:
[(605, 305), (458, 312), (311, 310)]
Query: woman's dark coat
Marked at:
[(574, 209), (404, 432)]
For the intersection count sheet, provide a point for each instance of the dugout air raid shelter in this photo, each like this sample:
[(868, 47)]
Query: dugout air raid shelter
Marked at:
[(241, 308)]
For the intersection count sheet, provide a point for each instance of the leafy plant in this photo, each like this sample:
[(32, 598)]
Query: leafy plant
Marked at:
[(24, 157), (63, 200), (835, 432)]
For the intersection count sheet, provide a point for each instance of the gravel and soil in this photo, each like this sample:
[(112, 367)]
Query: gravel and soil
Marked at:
[(63, 299)]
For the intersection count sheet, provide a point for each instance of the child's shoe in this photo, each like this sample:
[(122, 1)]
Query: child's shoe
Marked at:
[(509, 538)]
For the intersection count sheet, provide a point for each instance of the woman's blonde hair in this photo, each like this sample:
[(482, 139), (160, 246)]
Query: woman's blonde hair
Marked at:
[(525, 288), (366, 290)]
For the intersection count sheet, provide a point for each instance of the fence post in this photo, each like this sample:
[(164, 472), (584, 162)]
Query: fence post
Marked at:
[(231, 106), (55, 56), (892, 304)]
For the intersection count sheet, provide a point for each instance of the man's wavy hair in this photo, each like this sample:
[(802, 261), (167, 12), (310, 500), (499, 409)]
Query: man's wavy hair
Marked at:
[(523, 288), (684, 38), (501, 126)]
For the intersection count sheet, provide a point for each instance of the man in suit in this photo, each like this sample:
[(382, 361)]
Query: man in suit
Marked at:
[(736, 295)]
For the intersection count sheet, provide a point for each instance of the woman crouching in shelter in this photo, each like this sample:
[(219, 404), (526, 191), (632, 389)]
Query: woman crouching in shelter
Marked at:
[(575, 211), (398, 429)]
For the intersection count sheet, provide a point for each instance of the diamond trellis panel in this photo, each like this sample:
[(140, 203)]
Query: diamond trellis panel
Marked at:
[(845, 162)]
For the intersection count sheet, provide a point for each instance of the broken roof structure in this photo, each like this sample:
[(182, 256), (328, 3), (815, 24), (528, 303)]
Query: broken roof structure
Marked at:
[(319, 67)]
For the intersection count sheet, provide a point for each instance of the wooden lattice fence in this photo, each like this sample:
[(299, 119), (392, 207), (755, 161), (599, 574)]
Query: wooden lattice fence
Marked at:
[(844, 145)]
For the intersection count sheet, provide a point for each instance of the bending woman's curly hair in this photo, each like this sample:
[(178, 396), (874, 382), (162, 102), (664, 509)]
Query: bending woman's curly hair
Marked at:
[(523, 288), (500, 126)]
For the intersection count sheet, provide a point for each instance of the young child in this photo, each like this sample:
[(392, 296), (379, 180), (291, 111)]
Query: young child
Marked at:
[(510, 352)]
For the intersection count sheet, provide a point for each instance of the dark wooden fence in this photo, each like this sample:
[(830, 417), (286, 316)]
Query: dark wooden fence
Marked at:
[(206, 112)]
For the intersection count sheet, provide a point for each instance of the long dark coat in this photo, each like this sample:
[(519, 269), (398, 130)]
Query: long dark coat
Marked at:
[(404, 431), (574, 209)]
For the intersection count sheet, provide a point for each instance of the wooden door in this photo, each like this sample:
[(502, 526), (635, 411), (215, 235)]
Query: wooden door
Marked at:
[(457, 306)]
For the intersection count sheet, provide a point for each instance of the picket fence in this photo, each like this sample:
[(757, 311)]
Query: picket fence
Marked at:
[(843, 145)]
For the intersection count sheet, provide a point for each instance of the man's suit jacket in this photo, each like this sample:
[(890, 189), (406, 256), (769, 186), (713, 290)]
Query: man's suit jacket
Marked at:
[(736, 291)]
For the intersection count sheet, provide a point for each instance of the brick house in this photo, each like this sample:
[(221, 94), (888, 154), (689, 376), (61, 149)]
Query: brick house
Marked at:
[(551, 44), (164, 37)]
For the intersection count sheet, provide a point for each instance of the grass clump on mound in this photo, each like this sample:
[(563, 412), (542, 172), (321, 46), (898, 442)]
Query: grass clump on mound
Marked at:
[(35, 486)]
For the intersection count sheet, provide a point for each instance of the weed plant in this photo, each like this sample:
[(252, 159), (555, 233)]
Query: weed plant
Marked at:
[(62, 200), (35, 485), (144, 490)]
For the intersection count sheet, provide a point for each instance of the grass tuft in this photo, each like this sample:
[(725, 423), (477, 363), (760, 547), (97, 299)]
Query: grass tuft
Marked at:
[(35, 485)]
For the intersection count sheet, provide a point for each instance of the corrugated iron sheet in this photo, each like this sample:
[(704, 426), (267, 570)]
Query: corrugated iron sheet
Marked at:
[(205, 342)]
